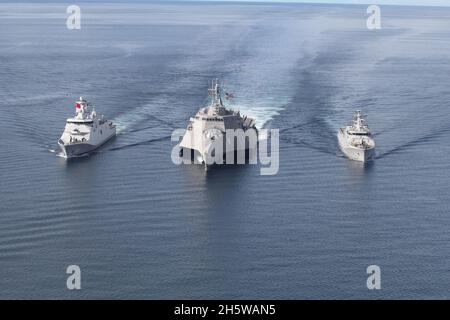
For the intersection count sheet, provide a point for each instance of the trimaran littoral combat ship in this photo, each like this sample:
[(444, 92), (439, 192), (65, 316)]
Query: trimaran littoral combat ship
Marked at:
[(212, 124), (355, 140), (86, 131)]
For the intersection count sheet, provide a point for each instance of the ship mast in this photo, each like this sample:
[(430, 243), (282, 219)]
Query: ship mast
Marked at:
[(84, 110), (214, 92)]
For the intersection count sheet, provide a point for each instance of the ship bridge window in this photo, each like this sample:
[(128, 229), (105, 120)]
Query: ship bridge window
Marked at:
[(90, 124), (213, 119), (359, 133)]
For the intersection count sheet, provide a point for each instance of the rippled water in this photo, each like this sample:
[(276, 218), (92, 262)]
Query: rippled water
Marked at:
[(141, 227)]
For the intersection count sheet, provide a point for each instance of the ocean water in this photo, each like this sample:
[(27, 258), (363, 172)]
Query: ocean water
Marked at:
[(141, 227)]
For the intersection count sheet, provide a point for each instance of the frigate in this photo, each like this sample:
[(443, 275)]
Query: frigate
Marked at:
[(215, 124), (356, 141), (85, 132)]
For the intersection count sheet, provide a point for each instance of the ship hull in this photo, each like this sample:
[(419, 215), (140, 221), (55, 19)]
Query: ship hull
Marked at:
[(196, 157), (80, 149), (354, 153), (232, 151)]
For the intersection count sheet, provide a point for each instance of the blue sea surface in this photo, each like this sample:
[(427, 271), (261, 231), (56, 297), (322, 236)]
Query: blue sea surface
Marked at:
[(141, 227)]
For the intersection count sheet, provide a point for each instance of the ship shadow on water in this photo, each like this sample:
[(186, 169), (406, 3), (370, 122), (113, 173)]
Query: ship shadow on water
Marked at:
[(359, 169), (218, 171), (222, 187), (222, 173)]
